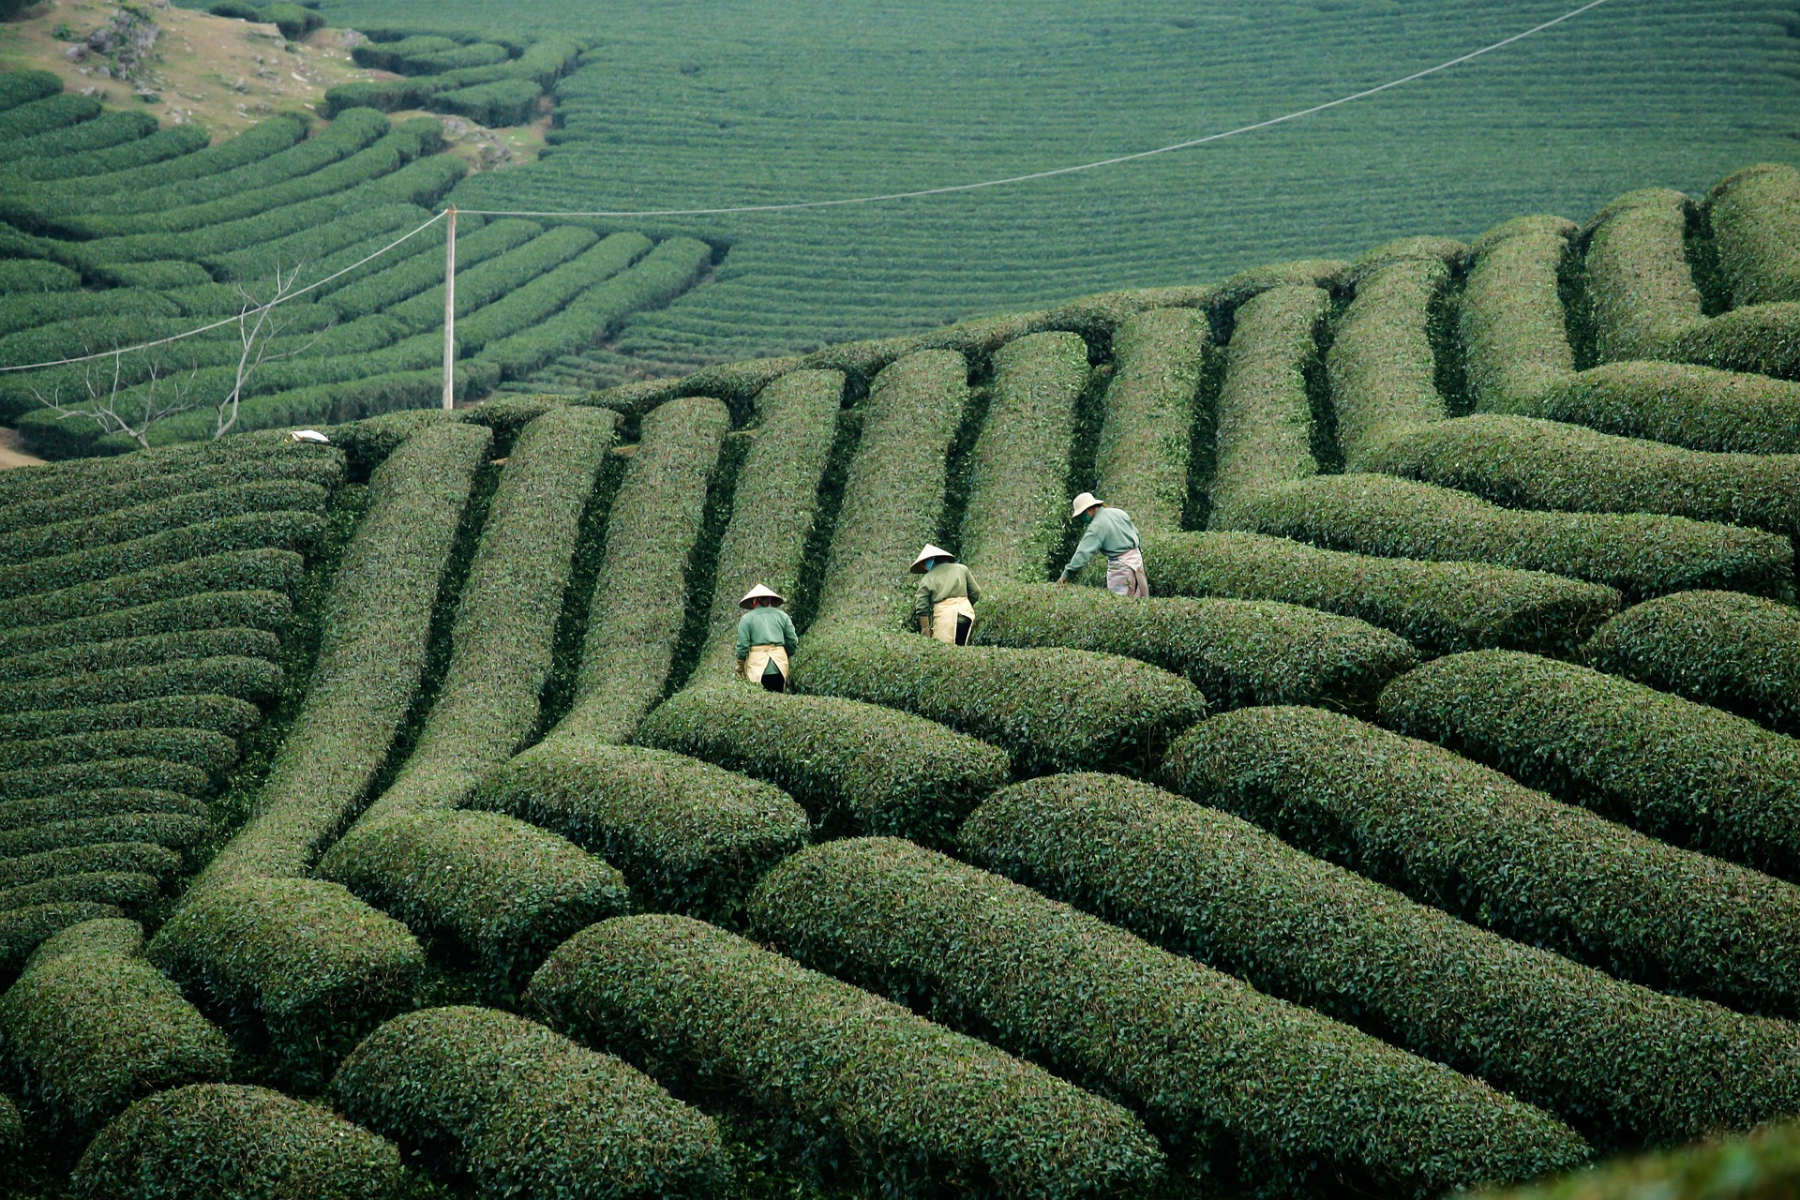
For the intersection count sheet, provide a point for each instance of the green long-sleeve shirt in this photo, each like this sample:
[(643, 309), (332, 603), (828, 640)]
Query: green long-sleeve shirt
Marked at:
[(946, 581), (1110, 532), (766, 627)]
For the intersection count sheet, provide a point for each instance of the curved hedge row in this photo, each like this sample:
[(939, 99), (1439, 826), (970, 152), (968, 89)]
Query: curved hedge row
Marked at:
[(58, 831), (148, 650), (1512, 315), (1639, 283), (1765, 1162), (105, 803), (1141, 461), (687, 836), (163, 145), (252, 679), (211, 1140), (36, 276), (197, 508), (1265, 420), (522, 306), (1682, 772), (372, 652), (220, 714), (22, 87), (1763, 339), (1382, 369), (1219, 1069), (384, 213), (1518, 462), (1752, 213), (526, 1112), (1017, 512), (1639, 554), (636, 615), (151, 773), (894, 490), (1468, 840), (301, 961), (267, 137), (497, 281), (507, 891), (1621, 1063), (1440, 607), (119, 858), (201, 748), (422, 274), (91, 1026), (1051, 710), (124, 889), (848, 1081), (1237, 652), (23, 519), (277, 571), (37, 117), (103, 132), (1731, 651), (1696, 407)]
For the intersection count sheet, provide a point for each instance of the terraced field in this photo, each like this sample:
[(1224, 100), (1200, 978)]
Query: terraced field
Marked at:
[(116, 232)]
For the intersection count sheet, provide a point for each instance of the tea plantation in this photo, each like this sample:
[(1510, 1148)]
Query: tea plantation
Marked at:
[(383, 818)]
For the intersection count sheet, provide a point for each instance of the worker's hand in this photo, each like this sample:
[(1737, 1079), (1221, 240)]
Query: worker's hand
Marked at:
[(1062, 580), (925, 626)]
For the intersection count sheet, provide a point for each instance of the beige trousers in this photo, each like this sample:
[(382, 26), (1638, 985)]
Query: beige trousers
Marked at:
[(759, 658), (944, 614), (1125, 575)]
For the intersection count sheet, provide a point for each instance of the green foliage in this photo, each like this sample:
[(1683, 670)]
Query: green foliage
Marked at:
[(301, 961), (383, 95), (1017, 510), (423, 274), (1763, 339), (1696, 407), (507, 891), (1518, 462), (126, 889), (161, 146), (101, 133), (1753, 217), (525, 1111), (137, 858), (235, 1142), (389, 55), (23, 930), (1440, 607), (854, 767), (114, 773), (1470, 841), (1237, 652), (1620, 1062), (252, 679), (1512, 314), (36, 327), (72, 806), (59, 830), (1249, 1084), (220, 714), (500, 103), (1677, 770), (855, 1085), (87, 503), (203, 749), (1639, 554), (241, 570), (1764, 1163), (294, 21), (1643, 292), (26, 121), (1732, 651), (156, 632), (1265, 420), (91, 1026), (457, 58), (197, 509), (308, 241), (34, 275), (153, 649), (371, 655), (22, 87), (518, 308), (1141, 461), (267, 137), (688, 836), (1381, 365)]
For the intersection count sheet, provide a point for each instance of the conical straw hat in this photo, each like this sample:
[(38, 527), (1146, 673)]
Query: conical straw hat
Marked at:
[(930, 551), (1082, 503), (757, 593)]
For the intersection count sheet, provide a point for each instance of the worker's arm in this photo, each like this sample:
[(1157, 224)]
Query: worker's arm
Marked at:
[(790, 637), (974, 589), (743, 646), (1084, 550), (923, 599)]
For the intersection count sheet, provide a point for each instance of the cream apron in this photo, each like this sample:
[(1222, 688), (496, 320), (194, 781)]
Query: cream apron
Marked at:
[(1125, 575), (759, 658), (944, 614)]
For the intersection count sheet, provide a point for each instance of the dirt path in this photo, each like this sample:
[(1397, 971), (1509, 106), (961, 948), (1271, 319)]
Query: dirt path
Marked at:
[(11, 455)]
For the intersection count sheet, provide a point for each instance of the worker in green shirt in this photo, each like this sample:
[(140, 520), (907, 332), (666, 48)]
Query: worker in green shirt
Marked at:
[(945, 601), (1110, 532), (765, 639)]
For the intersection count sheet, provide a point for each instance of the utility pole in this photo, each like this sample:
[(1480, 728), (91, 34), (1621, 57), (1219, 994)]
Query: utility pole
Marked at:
[(450, 312)]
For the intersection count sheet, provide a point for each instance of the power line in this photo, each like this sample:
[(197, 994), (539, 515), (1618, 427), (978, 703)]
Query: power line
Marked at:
[(1056, 171)]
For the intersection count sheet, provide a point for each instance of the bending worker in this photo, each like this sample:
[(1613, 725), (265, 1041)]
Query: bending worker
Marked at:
[(945, 602), (1110, 531), (765, 639)]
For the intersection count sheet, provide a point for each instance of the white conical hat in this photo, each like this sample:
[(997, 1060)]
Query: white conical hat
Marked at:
[(930, 551), (1082, 503), (759, 592)]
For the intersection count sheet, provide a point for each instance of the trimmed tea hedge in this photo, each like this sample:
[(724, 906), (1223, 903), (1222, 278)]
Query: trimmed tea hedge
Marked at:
[(1265, 421), (19, 276), (636, 614), (151, 650), (24, 520), (1682, 772), (423, 274), (126, 889), (1221, 1070), (235, 1142), (41, 116), (1051, 710), (241, 570), (1518, 462), (1639, 554), (1237, 652), (1732, 651), (1620, 1062), (269, 136), (507, 615), (1763, 339), (774, 504), (526, 1112), (1141, 461), (688, 836), (1512, 315), (138, 858), (1638, 278), (172, 142), (92, 1026), (848, 1080), (1440, 607), (1017, 511), (252, 679), (894, 490), (159, 516), (854, 767), (59, 831), (508, 891), (23, 930), (208, 751), (371, 655), (523, 306), (22, 87), (220, 714), (1381, 365), (508, 271), (101, 133), (1765, 1162), (1468, 840), (1696, 407), (1752, 213), (300, 960), (150, 773)]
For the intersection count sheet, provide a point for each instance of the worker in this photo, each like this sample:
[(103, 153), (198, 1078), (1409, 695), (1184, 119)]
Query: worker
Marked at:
[(765, 638), (945, 602), (1109, 531)]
